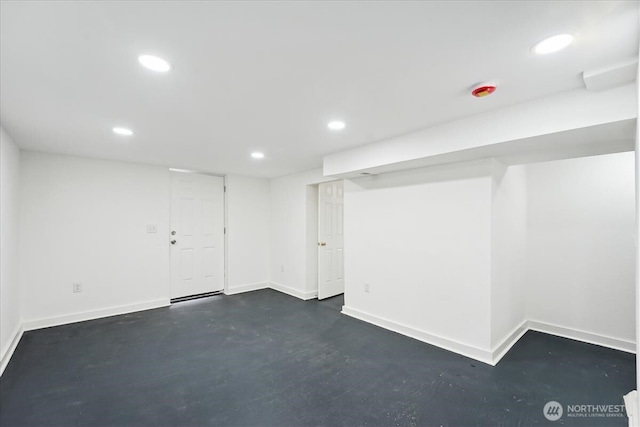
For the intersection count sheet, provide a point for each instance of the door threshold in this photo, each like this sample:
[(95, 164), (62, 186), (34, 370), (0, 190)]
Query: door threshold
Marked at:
[(197, 296)]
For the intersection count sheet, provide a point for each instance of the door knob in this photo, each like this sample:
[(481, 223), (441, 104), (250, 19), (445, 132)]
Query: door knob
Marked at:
[(173, 242), (322, 243)]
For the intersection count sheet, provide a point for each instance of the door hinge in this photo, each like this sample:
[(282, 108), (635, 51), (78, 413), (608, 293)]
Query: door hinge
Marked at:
[(225, 230), (225, 188)]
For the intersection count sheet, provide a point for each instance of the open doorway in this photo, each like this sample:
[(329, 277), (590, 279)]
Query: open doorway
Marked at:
[(328, 197)]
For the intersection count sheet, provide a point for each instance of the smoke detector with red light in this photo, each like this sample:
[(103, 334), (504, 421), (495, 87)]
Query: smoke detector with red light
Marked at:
[(483, 90)]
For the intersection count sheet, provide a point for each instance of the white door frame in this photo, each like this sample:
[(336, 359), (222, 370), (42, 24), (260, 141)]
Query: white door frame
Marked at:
[(226, 235), (312, 240), (637, 236)]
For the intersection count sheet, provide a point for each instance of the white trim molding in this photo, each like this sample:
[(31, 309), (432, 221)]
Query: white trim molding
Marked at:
[(246, 288), (31, 325), (476, 353), (293, 292), (489, 357), (4, 359), (578, 335), (509, 341), (494, 356)]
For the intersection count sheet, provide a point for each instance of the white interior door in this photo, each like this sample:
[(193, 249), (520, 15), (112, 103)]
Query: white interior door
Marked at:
[(330, 239), (197, 234)]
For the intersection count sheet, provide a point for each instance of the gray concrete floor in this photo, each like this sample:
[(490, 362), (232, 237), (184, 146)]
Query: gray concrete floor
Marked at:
[(334, 302), (266, 359)]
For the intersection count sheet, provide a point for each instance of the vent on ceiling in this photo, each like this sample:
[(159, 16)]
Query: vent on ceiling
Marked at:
[(617, 74)]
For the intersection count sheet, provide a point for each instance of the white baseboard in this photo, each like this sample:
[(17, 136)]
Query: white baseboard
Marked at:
[(94, 314), (4, 360), (485, 356), (499, 351), (246, 288), (293, 292), (476, 353), (578, 335), (509, 341)]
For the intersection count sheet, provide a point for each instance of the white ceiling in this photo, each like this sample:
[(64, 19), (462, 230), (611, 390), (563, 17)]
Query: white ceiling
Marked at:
[(268, 76)]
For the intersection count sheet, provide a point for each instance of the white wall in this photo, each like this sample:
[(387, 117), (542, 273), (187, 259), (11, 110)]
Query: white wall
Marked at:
[(248, 235), (84, 220), (580, 244), (9, 232), (548, 246), (508, 251), (637, 234), (422, 240), (439, 246), (291, 241)]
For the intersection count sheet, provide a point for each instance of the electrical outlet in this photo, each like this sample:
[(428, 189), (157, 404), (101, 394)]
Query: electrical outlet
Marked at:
[(77, 287), (152, 228), (367, 288)]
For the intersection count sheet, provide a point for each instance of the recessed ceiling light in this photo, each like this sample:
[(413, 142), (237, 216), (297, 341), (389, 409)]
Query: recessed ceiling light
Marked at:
[(257, 155), (154, 63), (553, 44), (336, 125), (122, 131)]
